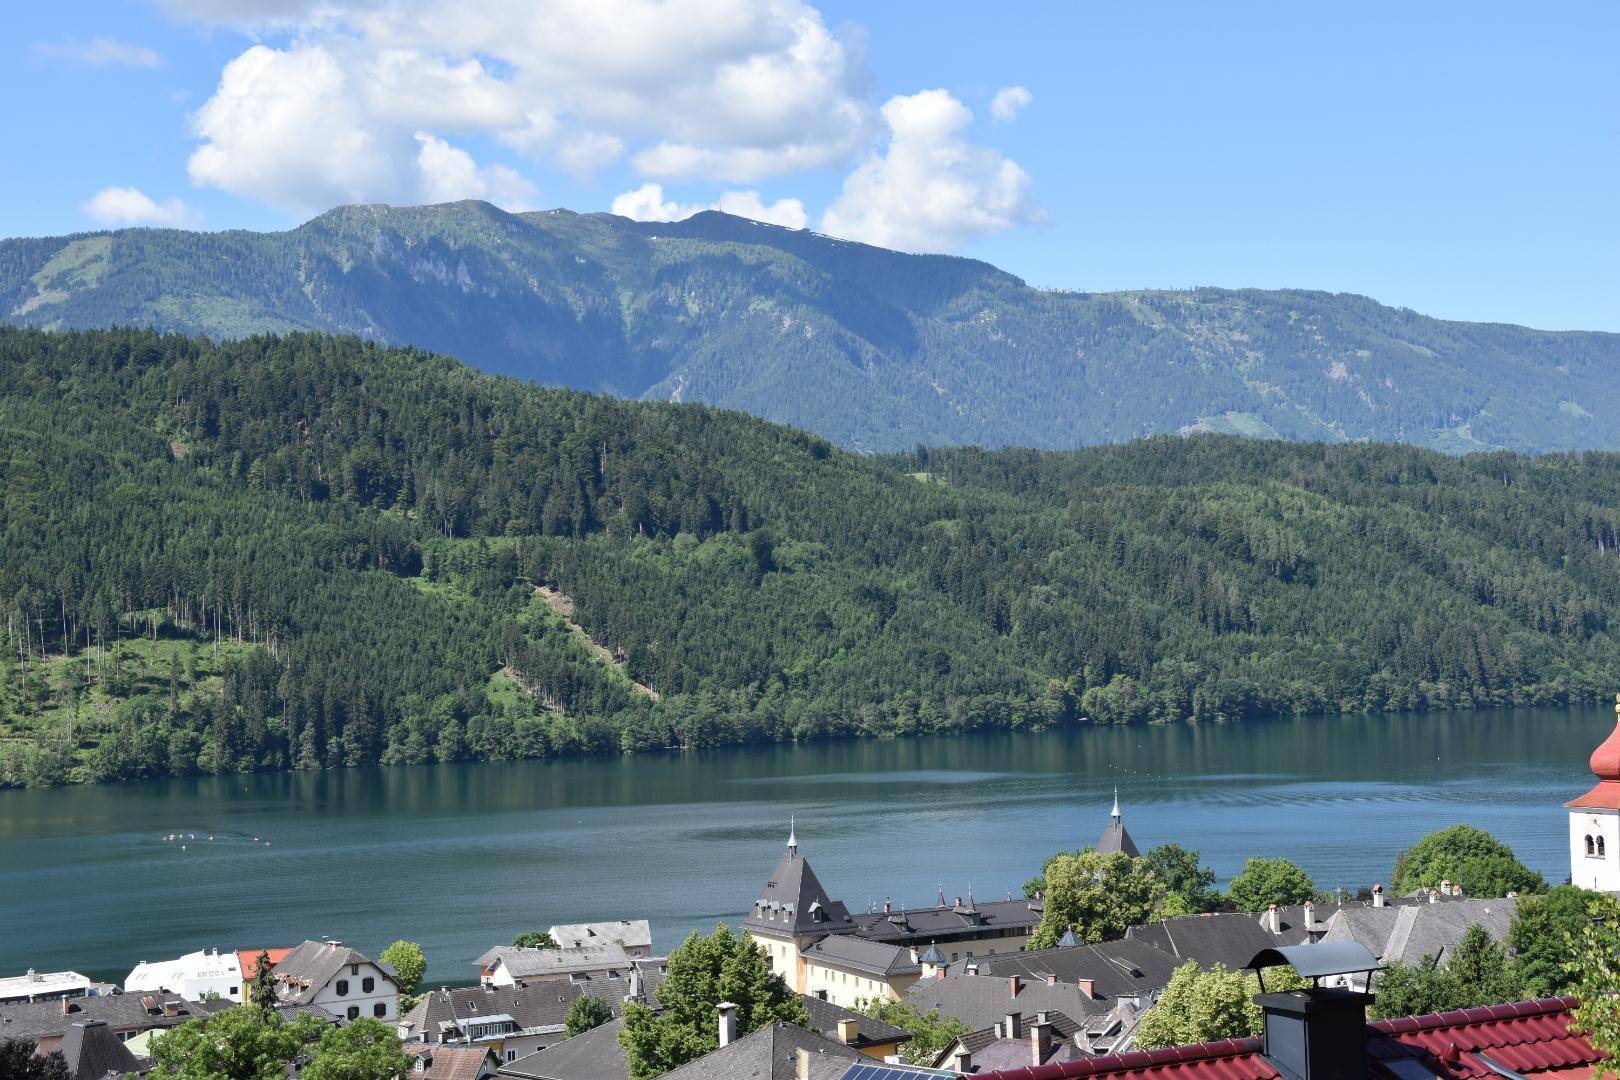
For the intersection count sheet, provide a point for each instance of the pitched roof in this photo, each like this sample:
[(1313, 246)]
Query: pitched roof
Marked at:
[(771, 1053), (249, 960), (982, 1000), (1528, 1037), (631, 933), (594, 1055), (1228, 938), (858, 954), (989, 1049), (92, 1051), (793, 902), (824, 1017), (122, 1012), (538, 1007), (1115, 838), (1128, 967), (947, 922), (451, 1062), (1410, 932), (555, 963), (305, 971)]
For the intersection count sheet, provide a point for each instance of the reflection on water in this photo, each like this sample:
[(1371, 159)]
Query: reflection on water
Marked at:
[(460, 857)]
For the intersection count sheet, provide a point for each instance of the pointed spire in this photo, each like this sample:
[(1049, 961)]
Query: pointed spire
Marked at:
[(1115, 813), (793, 836)]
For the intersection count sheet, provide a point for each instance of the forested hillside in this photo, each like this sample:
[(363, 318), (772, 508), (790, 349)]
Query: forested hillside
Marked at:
[(873, 349), (308, 551)]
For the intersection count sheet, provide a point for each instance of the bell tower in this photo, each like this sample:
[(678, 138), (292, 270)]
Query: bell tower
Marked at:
[(1594, 820)]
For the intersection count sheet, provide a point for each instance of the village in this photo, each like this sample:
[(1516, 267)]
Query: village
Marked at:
[(988, 990)]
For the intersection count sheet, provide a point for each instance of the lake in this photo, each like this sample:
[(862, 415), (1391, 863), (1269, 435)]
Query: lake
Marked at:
[(462, 857)]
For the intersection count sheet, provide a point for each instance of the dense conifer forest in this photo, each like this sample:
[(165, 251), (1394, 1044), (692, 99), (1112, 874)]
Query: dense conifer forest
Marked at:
[(308, 551)]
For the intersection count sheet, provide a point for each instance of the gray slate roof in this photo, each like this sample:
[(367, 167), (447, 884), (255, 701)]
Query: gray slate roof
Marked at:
[(1410, 932), (538, 1007), (991, 1051), (122, 1012), (824, 1017), (306, 970), (595, 1055), (793, 902), (980, 1001), (1229, 938), (556, 963), (93, 1051), (771, 1054), (1128, 967), (857, 954), (948, 922), (628, 932), (1115, 838)]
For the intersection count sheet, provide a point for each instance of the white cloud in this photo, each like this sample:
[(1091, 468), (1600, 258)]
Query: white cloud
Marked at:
[(131, 206), (1009, 102), (99, 52), (931, 189), (647, 203), (735, 90), (449, 174)]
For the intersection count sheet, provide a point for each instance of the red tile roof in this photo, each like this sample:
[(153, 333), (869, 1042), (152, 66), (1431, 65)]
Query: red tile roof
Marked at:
[(249, 959), (1529, 1037)]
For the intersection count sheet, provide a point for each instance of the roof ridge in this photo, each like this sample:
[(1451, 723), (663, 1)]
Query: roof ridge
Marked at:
[(1511, 1010)]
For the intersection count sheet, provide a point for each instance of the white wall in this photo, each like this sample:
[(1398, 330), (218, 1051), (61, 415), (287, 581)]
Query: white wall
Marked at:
[(1594, 871), (384, 992)]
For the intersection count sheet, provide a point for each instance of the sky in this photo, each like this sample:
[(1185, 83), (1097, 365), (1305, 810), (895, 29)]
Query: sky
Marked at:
[(1462, 160)]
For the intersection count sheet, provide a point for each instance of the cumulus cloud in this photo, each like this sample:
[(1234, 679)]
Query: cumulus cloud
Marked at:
[(99, 52), (647, 203), (931, 189), (449, 173), (132, 206), (1009, 102), (731, 90)]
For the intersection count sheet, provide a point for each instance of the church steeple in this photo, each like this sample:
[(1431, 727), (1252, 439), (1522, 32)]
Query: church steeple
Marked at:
[(793, 836), (1115, 838), (1594, 820)]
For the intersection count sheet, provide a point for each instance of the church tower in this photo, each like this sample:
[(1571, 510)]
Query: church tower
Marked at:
[(792, 913), (1115, 838), (1594, 820)]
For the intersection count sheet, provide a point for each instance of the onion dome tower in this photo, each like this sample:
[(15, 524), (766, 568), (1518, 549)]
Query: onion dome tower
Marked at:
[(1594, 820)]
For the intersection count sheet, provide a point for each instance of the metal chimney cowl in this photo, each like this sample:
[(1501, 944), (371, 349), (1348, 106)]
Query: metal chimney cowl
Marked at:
[(1318, 1034)]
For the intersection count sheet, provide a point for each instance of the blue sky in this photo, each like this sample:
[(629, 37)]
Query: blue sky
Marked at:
[(1462, 160)]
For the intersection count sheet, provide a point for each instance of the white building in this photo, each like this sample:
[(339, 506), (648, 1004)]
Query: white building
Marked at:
[(46, 986), (195, 976), (1594, 821), (338, 979)]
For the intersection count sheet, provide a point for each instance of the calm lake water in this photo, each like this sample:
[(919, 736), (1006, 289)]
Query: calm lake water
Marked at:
[(461, 857)]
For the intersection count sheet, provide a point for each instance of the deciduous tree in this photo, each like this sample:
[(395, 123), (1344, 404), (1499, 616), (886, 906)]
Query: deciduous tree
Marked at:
[(1264, 882), (1096, 896), (406, 958), (1202, 1005), (585, 1013), (1467, 856), (931, 1031)]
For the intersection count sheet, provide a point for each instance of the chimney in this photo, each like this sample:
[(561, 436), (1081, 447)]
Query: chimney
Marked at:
[(916, 958), (885, 905), (1317, 1034), (848, 1031), (67, 1007), (1051, 980), (1088, 987), (1273, 919), (1378, 896), (1012, 985), (801, 1064), (1434, 896), (1310, 914), (728, 1022), (1011, 1028), (962, 1061), (972, 968), (1445, 887), (1040, 1041)]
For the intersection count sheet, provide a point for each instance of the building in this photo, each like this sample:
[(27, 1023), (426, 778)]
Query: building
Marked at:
[(508, 965), (451, 1062), (511, 1021), (47, 1023), (983, 1001), (634, 936), (1047, 1039), (1409, 932), (1594, 820), (93, 1052), (47, 986), (819, 948), (773, 1052), (1110, 971), (874, 1038), (248, 961), (197, 975), (338, 979), (1114, 837), (593, 1055)]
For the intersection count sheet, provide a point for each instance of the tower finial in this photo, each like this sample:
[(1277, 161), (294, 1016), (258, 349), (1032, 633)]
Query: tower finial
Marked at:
[(793, 836), (1115, 815)]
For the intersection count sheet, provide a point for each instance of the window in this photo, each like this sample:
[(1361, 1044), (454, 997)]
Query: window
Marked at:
[(511, 1055), (368, 984), (236, 991), (1590, 847), (1600, 847), (354, 969), (379, 1010), (342, 988), (354, 1012)]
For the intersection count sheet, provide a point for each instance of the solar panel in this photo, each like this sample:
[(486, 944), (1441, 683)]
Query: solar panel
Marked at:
[(893, 1072)]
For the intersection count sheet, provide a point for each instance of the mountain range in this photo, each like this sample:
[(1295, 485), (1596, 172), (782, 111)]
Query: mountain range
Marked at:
[(874, 349)]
